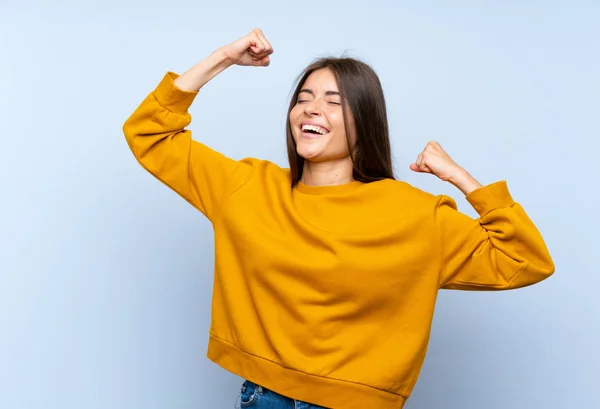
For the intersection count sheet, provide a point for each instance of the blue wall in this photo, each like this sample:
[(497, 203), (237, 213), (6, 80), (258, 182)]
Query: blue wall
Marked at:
[(106, 275)]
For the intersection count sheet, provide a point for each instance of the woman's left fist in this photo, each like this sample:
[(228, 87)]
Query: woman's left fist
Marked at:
[(436, 161)]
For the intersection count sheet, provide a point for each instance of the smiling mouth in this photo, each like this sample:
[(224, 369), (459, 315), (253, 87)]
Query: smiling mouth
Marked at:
[(313, 130)]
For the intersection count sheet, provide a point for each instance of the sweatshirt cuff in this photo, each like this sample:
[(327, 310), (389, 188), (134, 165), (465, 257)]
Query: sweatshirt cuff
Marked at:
[(172, 98), (491, 197)]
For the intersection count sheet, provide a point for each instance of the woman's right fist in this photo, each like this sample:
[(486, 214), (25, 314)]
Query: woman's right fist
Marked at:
[(252, 49)]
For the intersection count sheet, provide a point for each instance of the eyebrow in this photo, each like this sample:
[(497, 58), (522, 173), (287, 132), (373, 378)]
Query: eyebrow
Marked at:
[(310, 91)]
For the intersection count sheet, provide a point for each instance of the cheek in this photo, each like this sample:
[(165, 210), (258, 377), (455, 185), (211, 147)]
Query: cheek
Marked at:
[(294, 113), (291, 123), (351, 128), (337, 121)]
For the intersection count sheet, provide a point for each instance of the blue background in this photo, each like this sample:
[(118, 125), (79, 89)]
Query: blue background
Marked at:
[(106, 275)]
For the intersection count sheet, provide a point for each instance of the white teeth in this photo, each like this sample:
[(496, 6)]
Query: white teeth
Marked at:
[(318, 129)]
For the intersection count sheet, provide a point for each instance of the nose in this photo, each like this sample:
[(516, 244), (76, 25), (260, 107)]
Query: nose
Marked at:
[(312, 108)]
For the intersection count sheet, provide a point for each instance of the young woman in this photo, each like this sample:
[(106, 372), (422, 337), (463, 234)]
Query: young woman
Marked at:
[(326, 273)]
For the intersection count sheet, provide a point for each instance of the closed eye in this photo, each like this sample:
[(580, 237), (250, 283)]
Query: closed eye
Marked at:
[(300, 101)]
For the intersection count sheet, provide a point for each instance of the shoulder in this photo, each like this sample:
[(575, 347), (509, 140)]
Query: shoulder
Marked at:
[(403, 196), (403, 191), (263, 169)]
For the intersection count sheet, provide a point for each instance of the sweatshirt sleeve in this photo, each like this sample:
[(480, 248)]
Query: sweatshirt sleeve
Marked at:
[(500, 250), (156, 134)]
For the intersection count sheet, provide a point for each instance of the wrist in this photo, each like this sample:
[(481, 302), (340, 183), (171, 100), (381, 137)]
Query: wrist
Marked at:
[(464, 181), (220, 59)]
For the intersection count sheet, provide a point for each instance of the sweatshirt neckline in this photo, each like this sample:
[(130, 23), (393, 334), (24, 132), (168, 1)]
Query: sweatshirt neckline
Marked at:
[(328, 189)]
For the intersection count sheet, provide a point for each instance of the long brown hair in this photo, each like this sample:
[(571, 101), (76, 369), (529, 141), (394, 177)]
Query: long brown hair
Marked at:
[(361, 91)]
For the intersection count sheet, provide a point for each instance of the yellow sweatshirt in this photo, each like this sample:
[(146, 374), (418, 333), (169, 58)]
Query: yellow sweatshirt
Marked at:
[(326, 294)]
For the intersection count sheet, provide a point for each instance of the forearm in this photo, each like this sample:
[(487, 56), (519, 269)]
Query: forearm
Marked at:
[(197, 76), (465, 182)]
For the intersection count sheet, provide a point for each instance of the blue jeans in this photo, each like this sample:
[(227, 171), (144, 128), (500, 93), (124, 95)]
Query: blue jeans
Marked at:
[(258, 397)]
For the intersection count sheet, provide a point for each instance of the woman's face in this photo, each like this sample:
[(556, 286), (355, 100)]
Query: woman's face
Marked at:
[(317, 121)]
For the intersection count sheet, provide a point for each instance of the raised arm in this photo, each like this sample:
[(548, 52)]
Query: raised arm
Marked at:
[(500, 250), (156, 134)]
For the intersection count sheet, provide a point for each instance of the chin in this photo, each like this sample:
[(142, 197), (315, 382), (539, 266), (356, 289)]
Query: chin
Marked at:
[(308, 155), (308, 150)]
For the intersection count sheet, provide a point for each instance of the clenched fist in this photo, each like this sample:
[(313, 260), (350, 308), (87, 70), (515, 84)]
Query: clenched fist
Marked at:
[(436, 161), (251, 50)]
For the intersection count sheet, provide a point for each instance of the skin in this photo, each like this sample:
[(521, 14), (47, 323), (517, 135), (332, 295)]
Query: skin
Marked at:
[(328, 160), (327, 157)]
